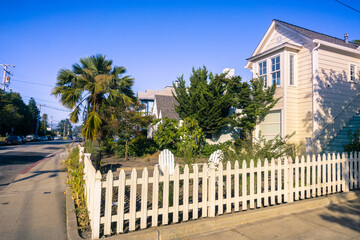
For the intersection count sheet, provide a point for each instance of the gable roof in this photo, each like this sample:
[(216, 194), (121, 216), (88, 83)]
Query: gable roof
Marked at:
[(165, 105), (320, 36), (150, 94)]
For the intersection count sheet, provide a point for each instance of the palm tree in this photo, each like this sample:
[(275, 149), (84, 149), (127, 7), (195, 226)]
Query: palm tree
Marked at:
[(89, 87)]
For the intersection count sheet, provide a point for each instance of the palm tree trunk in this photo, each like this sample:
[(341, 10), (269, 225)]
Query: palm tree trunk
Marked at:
[(126, 149)]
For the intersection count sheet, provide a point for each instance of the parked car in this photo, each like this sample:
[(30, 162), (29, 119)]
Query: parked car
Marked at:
[(36, 138), (30, 138), (50, 138), (43, 138), (57, 138), (23, 139), (13, 140)]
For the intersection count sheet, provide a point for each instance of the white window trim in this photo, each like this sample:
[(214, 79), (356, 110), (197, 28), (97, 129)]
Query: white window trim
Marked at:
[(267, 71), (349, 78), (295, 69), (281, 70)]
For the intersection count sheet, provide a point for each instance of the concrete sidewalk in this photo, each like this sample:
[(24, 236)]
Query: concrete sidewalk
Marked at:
[(33, 205), (340, 221)]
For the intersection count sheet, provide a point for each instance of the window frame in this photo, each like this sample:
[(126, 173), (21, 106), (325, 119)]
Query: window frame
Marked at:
[(276, 70), (355, 69), (261, 69)]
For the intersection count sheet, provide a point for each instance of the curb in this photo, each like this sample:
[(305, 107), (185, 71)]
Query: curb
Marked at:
[(71, 222), (229, 221)]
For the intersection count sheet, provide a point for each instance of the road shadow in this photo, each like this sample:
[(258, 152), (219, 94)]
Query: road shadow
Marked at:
[(345, 214), (38, 173)]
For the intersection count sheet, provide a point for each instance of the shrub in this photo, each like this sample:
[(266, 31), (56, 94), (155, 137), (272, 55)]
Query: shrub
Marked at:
[(75, 179), (138, 147), (354, 139)]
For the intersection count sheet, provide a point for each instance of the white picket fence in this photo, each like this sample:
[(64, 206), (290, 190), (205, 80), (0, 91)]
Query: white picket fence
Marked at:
[(125, 203)]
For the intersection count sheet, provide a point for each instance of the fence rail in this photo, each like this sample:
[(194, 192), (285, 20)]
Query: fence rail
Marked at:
[(128, 202)]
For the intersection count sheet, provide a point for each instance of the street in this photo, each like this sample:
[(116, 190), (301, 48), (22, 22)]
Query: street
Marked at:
[(15, 159)]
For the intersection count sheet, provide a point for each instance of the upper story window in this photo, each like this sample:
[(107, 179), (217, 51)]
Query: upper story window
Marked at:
[(291, 69), (262, 72), (352, 72), (275, 70)]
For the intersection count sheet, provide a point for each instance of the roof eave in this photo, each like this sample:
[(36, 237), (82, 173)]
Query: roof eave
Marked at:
[(336, 46)]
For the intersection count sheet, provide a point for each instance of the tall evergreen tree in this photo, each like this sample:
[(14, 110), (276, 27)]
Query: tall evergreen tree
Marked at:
[(35, 114), (206, 100)]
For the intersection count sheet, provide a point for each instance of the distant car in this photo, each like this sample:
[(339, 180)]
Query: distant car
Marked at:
[(30, 138), (23, 139), (50, 138), (57, 138), (36, 138), (13, 140), (43, 138)]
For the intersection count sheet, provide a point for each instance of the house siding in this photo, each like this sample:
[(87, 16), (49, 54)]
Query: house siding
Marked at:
[(304, 94), (285, 35), (335, 89)]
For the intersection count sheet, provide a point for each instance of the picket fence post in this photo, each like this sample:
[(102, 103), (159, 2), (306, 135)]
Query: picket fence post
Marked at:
[(95, 228)]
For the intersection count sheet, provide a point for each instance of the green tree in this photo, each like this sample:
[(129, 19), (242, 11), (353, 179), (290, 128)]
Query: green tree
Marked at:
[(126, 122), (35, 114), (14, 114), (167, 134), (88, 88), (253, 100), (191, 139), (207, 99), (64, 127)]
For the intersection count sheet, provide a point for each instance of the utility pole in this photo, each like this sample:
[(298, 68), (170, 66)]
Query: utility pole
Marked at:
[(4, 76), (37, 123)]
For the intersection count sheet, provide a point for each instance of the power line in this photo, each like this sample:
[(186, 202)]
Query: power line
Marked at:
[(41, 84), (39, 99), (348, 6)]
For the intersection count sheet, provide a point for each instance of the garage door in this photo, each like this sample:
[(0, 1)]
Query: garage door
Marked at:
[(270, 126)]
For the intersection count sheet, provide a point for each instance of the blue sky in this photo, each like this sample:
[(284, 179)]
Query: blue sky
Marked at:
[(156, 41)]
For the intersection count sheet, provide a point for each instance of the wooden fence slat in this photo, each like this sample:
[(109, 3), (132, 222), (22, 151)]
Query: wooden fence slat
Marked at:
[(121, 203), (302, 178), (313, 176), (308, 175), (357, 171), (186, 193), (95, 226), (333, 173), (228, 187), (297, 168), (108, 202), (166, 193), (291, 179), (266, 182), (196, 191), (258, 184), (286, 180), (176, 194), (132, 211), (155, 199), (144, 198), (323, 177), (338, 172), (279, 181), (237, 187), (204, 191), (328, 174), (272, 181), (318, 179), (220, 189), (252, 187), (351, 171), (346, 173), (212, 192), (244, 186)]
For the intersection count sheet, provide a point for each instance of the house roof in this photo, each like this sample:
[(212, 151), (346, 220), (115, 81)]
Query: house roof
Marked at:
[(150, 94), (165, 105), (316, 35)]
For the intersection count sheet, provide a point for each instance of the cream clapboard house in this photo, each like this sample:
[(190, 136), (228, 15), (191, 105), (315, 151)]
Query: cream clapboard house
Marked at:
[(317, 78)]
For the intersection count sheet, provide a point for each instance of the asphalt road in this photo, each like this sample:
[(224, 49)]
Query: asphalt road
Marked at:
[(15, 159)]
